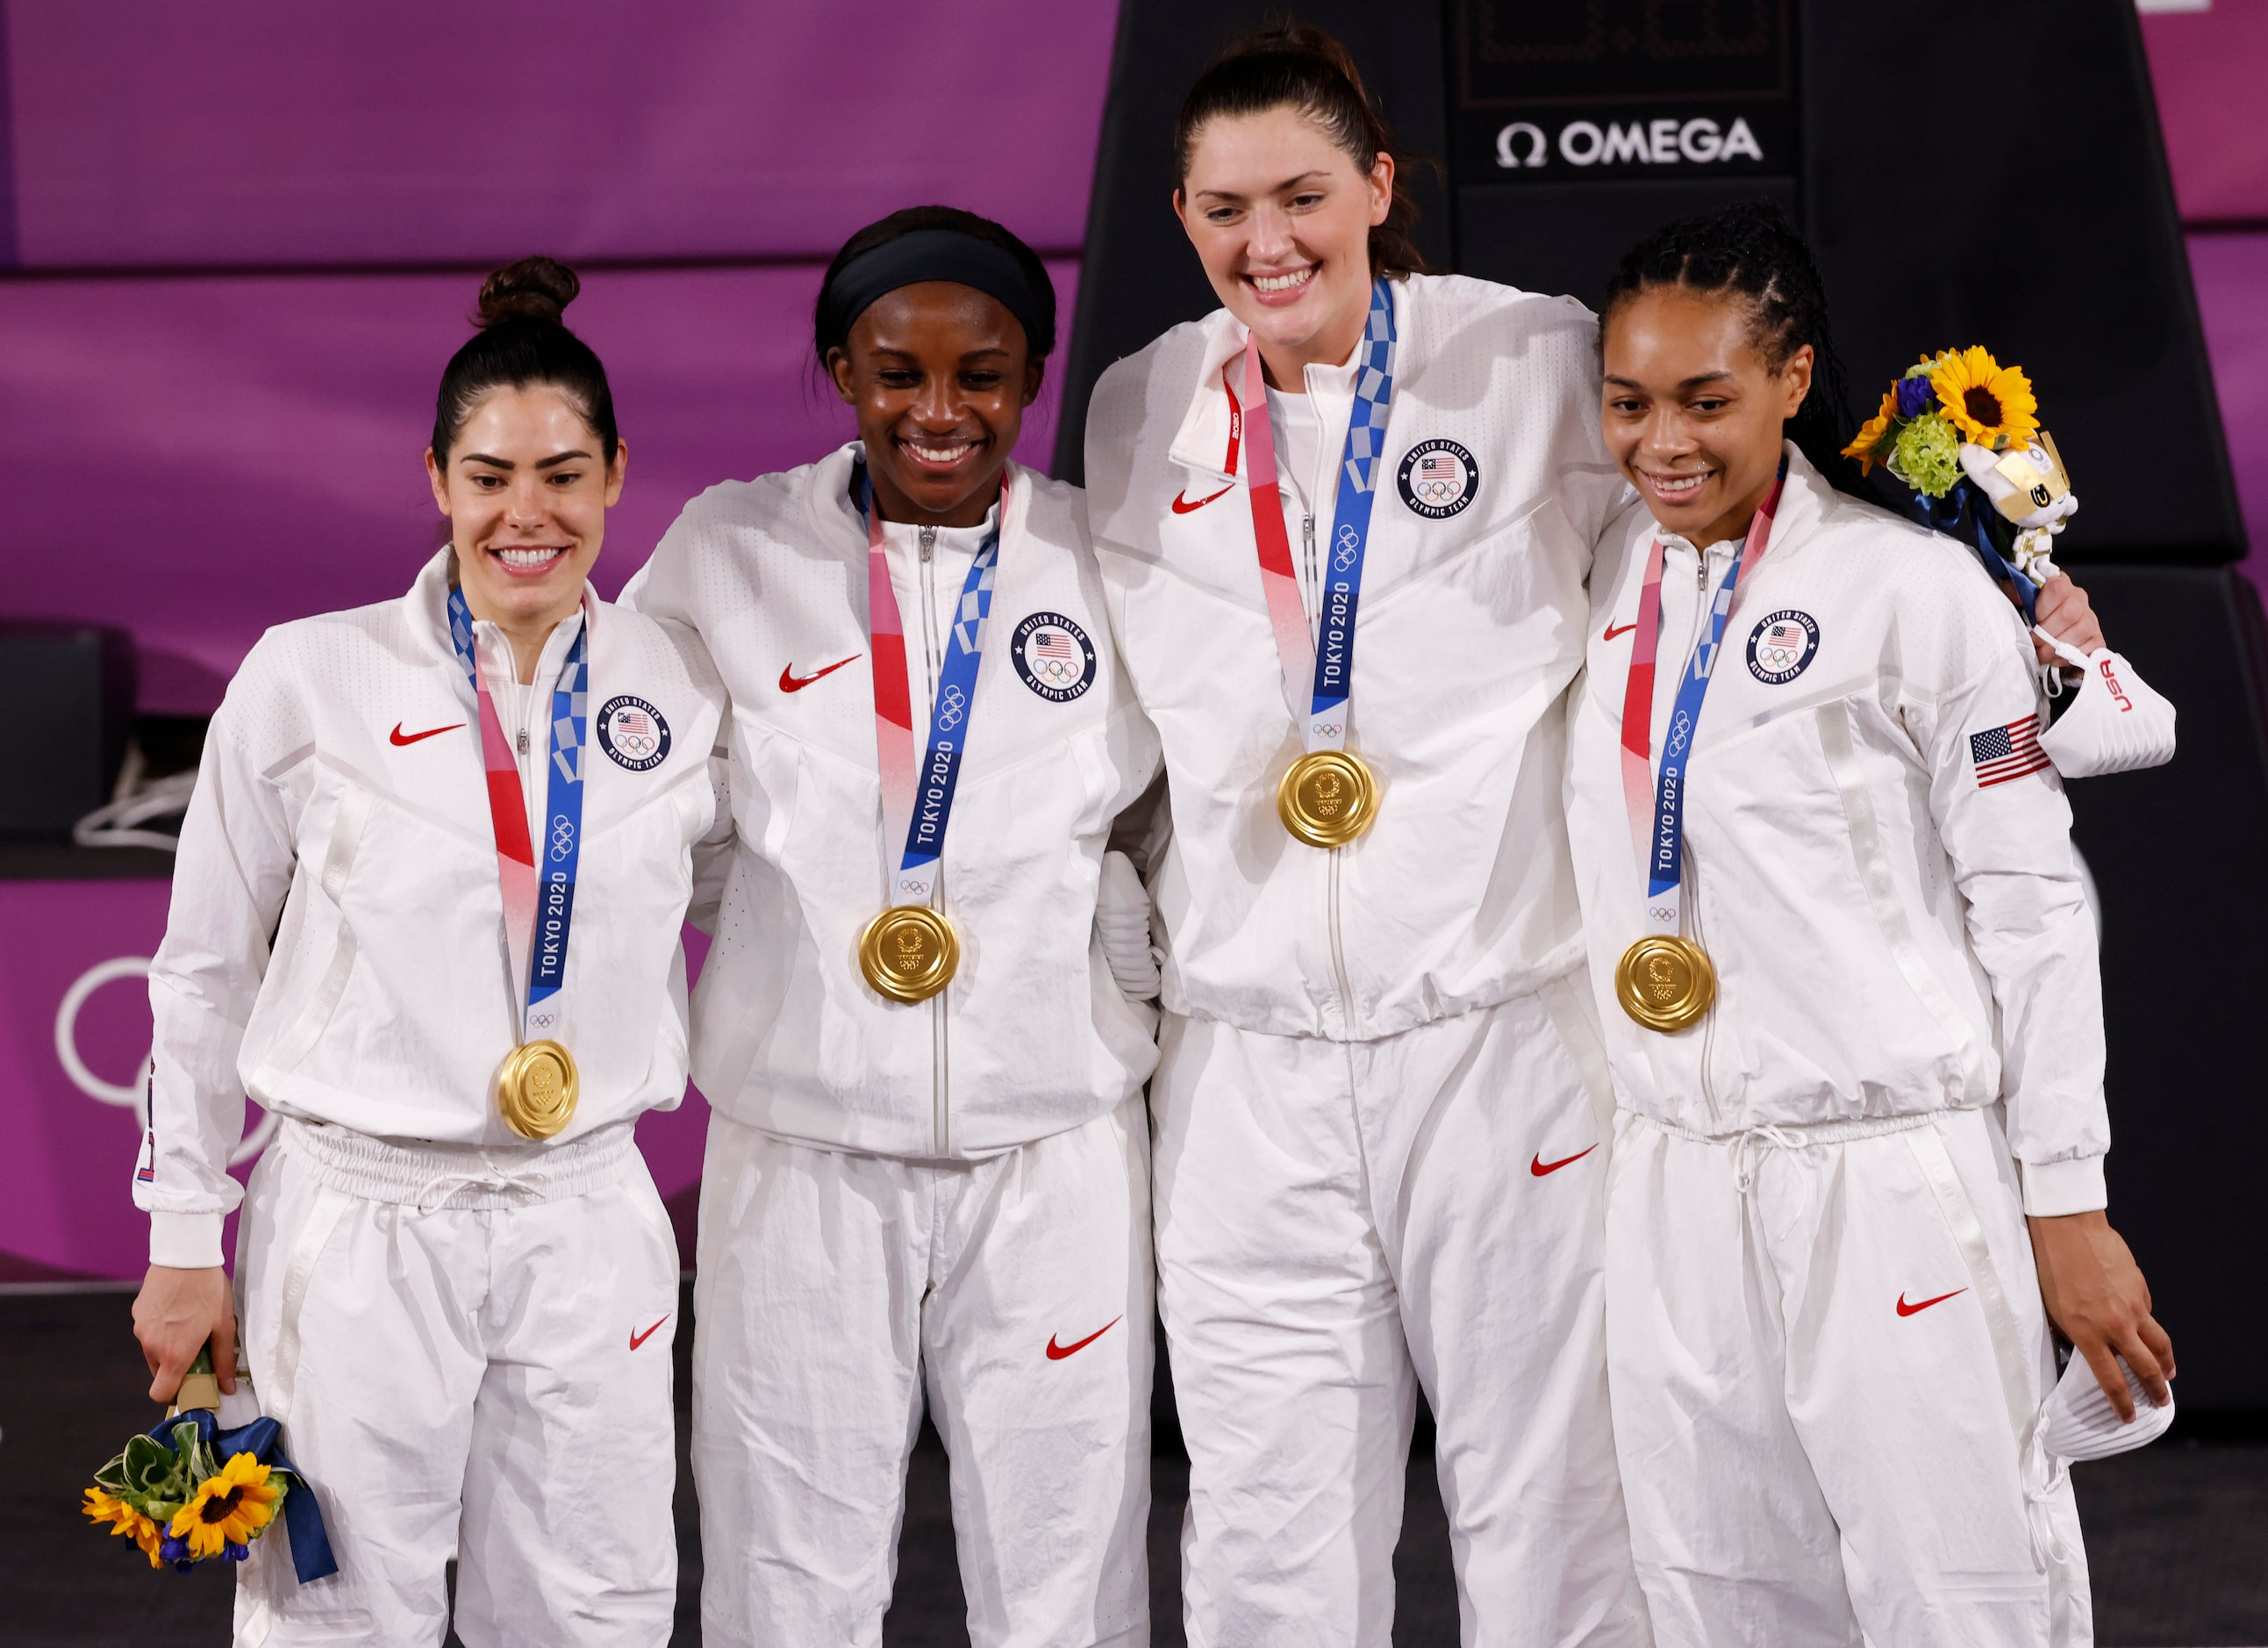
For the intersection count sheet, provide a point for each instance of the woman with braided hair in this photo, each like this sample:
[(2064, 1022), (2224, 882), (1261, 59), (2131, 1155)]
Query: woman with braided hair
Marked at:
[(1852, 1008)]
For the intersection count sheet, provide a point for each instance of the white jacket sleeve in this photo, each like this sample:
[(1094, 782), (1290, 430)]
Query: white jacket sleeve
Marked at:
[(713, 852), (659, 596), (230, 879), (2000, 812)]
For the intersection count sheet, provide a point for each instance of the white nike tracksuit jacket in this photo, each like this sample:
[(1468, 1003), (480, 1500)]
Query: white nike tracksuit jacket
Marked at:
[(1825, 1330), (417, 1286), (1380, 1086), (952, 1194)]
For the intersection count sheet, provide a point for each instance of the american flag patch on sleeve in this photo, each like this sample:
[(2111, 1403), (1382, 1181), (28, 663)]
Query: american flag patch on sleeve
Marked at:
[(2007, 752)]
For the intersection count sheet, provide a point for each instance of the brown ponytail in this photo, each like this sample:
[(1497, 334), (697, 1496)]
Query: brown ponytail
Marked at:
[(1304, 69)]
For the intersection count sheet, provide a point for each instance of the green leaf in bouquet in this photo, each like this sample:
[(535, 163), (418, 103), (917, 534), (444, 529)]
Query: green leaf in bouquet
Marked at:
[(111, 1478), (150, 1467)]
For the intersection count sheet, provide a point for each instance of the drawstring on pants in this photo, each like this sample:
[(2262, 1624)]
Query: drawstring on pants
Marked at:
[(492, 1178), (1748, 1147)]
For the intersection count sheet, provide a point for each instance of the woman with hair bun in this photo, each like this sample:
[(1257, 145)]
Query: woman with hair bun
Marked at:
[(427, 912), (1854, 1010), (924, 1027), (1379, 1095)]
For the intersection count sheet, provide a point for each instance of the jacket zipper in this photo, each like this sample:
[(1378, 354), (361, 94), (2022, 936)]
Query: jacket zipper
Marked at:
[(1314, 578), (940, 1126)]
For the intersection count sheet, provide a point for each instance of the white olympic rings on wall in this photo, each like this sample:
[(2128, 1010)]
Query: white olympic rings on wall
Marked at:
[(135, 1097)]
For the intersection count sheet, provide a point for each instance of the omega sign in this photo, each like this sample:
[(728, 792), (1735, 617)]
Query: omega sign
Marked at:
[(1551, 92), (1664, 141)]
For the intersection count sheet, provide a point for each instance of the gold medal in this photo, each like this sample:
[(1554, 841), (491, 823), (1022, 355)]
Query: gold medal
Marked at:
[(909, 952), (1328, 798), (536, 1088), (1665, 982)]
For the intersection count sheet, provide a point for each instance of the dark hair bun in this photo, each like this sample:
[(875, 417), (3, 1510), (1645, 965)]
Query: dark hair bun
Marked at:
[(532, 289)]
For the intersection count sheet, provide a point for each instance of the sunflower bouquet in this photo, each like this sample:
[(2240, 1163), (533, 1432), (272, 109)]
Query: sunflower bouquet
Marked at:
[(1963, 431), (187, 1491)]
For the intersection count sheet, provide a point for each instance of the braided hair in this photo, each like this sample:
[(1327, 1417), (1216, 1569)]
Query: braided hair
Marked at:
[(1753, 251)]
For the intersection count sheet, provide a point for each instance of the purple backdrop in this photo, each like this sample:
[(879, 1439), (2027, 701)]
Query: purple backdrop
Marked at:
[(272, 131)]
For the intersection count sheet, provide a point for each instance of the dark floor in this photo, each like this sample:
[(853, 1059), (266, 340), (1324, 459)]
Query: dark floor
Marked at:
[(2177, 1534)]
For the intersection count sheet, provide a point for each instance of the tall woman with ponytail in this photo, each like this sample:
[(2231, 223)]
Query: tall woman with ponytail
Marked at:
[(1852, 1008), (1343, 524), (426, 910)]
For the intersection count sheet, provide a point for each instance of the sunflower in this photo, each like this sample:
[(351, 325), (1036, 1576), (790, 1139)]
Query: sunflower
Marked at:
[(1871, 436), (1990, 404), (228, 1508), (122, 1519)]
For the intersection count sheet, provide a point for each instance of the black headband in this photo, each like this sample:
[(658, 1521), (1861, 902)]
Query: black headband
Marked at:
[(936, 255)]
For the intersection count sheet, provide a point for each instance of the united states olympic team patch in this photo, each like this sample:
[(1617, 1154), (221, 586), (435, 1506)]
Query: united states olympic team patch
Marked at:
[(1438, 479), (1782, 646), (632, 731), (1054, 656)]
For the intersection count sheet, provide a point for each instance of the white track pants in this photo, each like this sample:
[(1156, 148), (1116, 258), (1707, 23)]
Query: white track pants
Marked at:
[(1333, 1217), (486, 1380), (833, 1286), (1822, 1359)]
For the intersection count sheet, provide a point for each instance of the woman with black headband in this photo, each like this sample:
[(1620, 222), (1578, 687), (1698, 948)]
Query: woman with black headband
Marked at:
[(924, 1025)]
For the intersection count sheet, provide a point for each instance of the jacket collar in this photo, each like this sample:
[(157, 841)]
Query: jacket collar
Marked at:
[(1211, 439), (836, 516), (1805, 503), (426, 606)]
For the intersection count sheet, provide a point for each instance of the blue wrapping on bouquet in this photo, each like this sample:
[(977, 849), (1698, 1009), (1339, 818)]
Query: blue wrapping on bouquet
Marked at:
[(263, 1439)]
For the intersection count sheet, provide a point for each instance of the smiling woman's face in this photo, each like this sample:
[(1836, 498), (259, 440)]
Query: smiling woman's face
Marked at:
[(1692, 410), (526, 489), (1281, 218), (939, 375)]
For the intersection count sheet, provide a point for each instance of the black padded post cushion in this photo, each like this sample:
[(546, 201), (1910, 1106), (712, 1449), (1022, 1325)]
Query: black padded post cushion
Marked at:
[(70, 690)]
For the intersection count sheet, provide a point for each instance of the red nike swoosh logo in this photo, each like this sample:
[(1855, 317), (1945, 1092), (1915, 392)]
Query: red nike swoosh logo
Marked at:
[(1057, 1353), (402, 738), (1183, 505), (1538, 1166), (791, 681), (1614, 629), (638, 1339), (1908, 1310)]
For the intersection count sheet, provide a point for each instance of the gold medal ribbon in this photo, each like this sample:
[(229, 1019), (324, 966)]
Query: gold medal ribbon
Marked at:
[(909, 951), (1331, 795), (1664, 981)]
